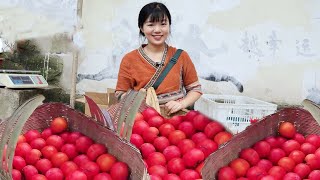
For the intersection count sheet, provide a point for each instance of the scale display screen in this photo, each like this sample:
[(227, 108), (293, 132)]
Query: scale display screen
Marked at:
[(20, 79)]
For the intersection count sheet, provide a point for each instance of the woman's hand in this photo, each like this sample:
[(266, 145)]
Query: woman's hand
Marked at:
[(173, 106)]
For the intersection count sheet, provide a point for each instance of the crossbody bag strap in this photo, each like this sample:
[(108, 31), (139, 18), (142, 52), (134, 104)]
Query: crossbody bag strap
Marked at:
[(164, 73)]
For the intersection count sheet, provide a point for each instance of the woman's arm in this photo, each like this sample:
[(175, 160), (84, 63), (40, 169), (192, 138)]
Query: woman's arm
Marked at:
[(175, 106)]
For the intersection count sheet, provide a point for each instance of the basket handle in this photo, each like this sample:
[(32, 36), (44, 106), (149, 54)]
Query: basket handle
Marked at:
[(313, 108), (99, 114), (11, 129)]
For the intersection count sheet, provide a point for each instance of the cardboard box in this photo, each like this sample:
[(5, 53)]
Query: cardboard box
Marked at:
[(103, 100)]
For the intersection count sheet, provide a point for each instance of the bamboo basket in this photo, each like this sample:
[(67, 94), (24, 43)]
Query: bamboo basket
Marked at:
[(35, 115), (268, 126)]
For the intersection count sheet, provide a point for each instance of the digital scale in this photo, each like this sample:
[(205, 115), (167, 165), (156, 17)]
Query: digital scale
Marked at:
[(21, 79)]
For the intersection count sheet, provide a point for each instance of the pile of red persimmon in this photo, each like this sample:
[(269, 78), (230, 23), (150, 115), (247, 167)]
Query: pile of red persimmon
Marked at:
[(176, 148), (287, 156), (57, 154)]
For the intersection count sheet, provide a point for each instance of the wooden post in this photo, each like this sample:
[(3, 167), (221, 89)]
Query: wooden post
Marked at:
[(75, 54)]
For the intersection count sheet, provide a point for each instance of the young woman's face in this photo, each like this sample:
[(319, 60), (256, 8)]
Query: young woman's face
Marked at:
[(156, 32)]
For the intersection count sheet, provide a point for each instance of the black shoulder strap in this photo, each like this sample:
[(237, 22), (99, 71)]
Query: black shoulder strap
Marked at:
[(164, 73)]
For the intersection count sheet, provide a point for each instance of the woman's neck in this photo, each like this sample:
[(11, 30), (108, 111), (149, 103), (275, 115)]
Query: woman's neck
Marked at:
[(155, 49)]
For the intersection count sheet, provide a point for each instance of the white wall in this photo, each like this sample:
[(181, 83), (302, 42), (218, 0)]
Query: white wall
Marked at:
[(272, 47)]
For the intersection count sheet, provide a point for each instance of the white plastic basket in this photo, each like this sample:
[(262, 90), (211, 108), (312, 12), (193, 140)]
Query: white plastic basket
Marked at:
[(234, 112)]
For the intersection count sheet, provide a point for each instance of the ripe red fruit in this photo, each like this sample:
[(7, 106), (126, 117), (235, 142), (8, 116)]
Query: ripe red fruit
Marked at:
[(222, 137), (165, 129), (58, 125), (43, 165), (193, 157), (277, 172), (312, 161), (31, 135), (255, 172), (95, 150), (198, 137), (171, 152), (90, 168), (308, 148), (39, 177), (300, 138), (187, 128), (38, 143), (287, 163), (190, 115), (136, 140), (265, 164), (83, 143), (78, 175), (314, 175), (102, 176), (227, 173), (158, 170), (33, 156), (48, 151), (138, 117), (146, 149), (287, 129), (189, 174), (22, 149), (156, 121), (80, 159), (68, 167), (18, 163), (262, 148), (186, 145), (160, 143), (175, 121), (139, 127), (46, 133), (176, 136), (119, 171), (290, 145), (291, 175), (29, 171), (176, 165), (207, 147), (56, 141), (58, 158), (73, 136), (171, 177), (272, 141), (156, 158), (200, 122), (150, 134), (105, 162), (297, 155), (65, 136), (148, 113), (21, 139), (250, 155), (313, 139), (276, 154), (212, 129), (70, 150), (240, 166), (16, 175), (302, 170), (54, 174)]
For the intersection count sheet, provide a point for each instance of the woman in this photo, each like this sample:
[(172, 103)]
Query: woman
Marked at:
[(141, 67)]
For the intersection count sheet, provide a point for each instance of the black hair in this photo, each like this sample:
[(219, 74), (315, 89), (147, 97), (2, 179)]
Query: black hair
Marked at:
[(156, 11)]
